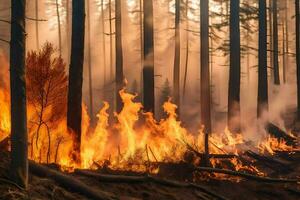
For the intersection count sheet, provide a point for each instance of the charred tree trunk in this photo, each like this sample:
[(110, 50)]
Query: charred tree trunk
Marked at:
[(298, 55), (205, 75), (119, 55), (37, 37), (110, 41), (59, 28), (104, 44), (176, 73), (262, 98), (148, 69), (68, 28), (76, 74), (142, 44), (19, 137), (275, 44), (271, 37), (91, 109), (187, 49), (235, 68)]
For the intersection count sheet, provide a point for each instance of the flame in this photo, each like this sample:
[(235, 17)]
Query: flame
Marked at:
[(271, 145)]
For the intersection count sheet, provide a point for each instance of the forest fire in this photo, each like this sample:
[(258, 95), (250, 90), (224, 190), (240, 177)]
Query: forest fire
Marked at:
[(134, 141)]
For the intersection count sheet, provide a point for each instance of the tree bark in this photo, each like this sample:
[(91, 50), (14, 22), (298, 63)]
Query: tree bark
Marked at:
[(205, 93), (148, 69), (110, 41), (76, 74), (119, 55), (262, 98), (91, 102), (176, 73), (59, 28), (103, 43), (37, 37), (187, 50), (235, 68), (275, 44), (298, 55), (19, 137)]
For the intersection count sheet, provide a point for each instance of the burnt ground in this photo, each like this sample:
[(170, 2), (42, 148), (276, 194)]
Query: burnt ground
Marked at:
[(46, 188)]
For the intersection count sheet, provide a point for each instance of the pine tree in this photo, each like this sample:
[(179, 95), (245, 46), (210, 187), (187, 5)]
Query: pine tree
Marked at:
[(76, 74), (19, 137)]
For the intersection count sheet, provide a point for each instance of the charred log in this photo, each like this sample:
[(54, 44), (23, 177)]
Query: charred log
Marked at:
[(280, 134)]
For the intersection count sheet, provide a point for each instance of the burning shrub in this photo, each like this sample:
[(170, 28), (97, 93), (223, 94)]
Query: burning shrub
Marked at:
[(46, 95)]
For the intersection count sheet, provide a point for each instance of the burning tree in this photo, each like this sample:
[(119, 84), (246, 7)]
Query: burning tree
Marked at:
[(46, 93)]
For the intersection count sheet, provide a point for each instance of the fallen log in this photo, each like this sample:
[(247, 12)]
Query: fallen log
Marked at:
[(246, 175), (145, 179), (68, 182), (280, 134)]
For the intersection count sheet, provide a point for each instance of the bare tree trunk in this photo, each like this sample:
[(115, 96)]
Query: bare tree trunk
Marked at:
[(283, 54), (205, 75), (91, 109), (37, 37), (19, 137), (298, 55), (271, 38), (235, 68), (104, 44), (119, 55), (275, 44), (142, 44), (176, 73), (76, 74), (187, 49), (148, 70), (68, 28), (59, 28), (110, 41), (286, 36), (262, 98)]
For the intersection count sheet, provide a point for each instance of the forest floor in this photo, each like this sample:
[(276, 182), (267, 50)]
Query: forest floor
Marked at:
[(46, 188), (282, 164)]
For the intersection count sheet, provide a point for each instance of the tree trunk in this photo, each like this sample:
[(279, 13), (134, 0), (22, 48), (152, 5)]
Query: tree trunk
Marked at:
[(110, 41), (37, 37), (19, 137), (187, 49), (176, 73), (298, 55), (205, 75), (235, 68), (68, 28), (91, 109), (76, 74), (119, 56), (262, 98), (275, 44), (104, 44), (271, 37), (59, 28), (148, 69)]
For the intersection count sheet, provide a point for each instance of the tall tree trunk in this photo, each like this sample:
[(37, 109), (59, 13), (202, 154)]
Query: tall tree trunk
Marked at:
[(283, 53), (91, 109), (19, 137), (148, 70), (110, 41), (59, 28), (103, 42), (298, 55), (176, 73), (275, 44), (76, 74), (205, 75), (37, 35), (142, 44), (68, 28), (119, 55), (262, 97), (235, 68), (286, 53), (271, 50), (187, 49)]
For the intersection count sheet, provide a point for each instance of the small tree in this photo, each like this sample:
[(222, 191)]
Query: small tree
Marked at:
[(46, 91)]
